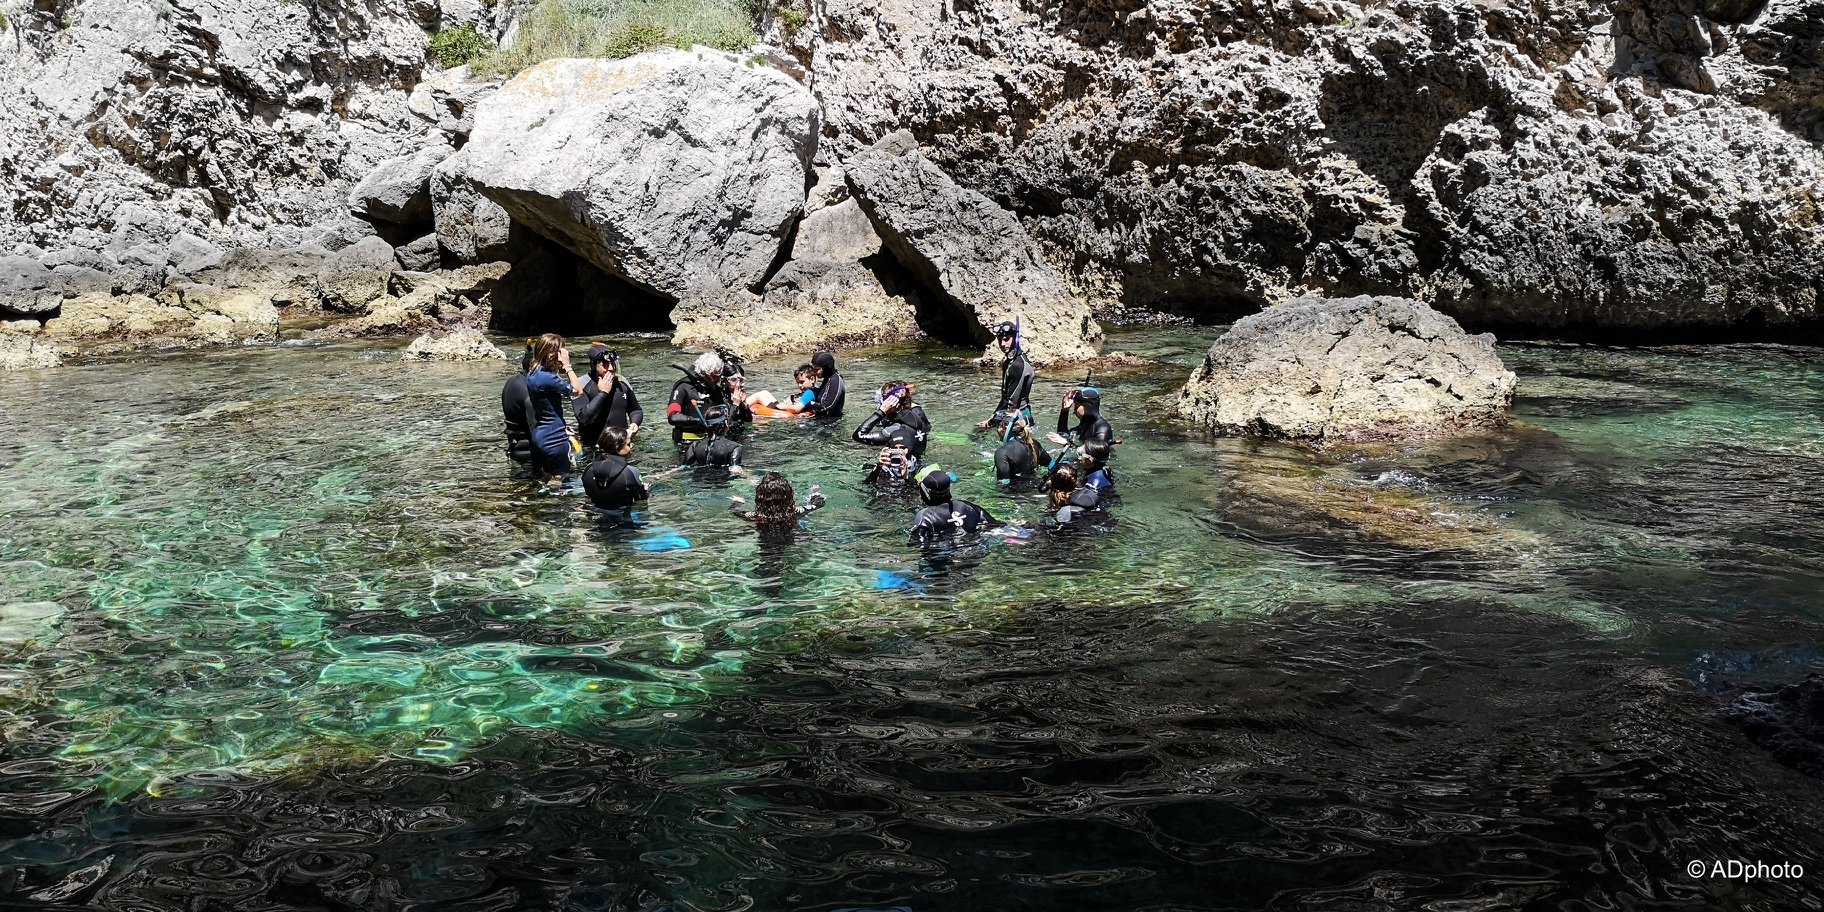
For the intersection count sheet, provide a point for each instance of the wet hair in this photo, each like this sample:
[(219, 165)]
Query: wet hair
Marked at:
[(544, 351), (709, 363), (1063, 484), (1023, 431), (775, 504), (1095, 452), (905, 391), (613, 440), (805, 370)]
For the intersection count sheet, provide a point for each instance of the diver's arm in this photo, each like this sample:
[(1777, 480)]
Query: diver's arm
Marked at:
[(870, 431)]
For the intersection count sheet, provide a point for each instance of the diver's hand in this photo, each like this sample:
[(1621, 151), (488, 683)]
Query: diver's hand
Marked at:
[(1069, 398), (816, 499), (1056, 437), (736, 499), (983, 425), (632, 429)]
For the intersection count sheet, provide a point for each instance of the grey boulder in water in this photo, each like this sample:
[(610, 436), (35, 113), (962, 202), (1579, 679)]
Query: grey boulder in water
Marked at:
[(1351, 368)]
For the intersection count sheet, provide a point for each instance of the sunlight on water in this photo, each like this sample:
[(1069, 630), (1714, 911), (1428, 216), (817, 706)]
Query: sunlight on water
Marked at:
[(274, 562)]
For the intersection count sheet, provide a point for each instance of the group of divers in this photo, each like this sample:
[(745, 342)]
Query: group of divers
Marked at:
[(711, 401)]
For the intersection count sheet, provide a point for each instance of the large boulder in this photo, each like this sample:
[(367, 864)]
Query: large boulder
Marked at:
[(398, 191), (680, 171), (28, 287), (462, 344), (968, 251), (1351, 368), (470, 227)]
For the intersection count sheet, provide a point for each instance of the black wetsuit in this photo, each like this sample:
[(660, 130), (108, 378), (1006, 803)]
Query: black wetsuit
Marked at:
[(516, 408), (958, 517), (1014, 460), (713, 451), (1092, 427), (1085, 507), (831, 392), (1016, 386), (907, 427), (612, 484), (597, 411), (690, 398)]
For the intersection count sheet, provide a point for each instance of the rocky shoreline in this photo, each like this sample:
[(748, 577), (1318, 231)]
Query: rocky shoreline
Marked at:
[(194, 173)]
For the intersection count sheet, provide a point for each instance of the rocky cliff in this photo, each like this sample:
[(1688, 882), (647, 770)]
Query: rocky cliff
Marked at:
[(1558, 163), (190, 168)]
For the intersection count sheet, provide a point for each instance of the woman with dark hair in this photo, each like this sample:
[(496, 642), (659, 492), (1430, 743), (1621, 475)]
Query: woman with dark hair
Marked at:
[(898, 421), (549, 379), (776, 510), (831, 391)]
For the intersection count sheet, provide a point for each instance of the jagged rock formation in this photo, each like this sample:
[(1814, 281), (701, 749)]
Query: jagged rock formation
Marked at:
[(18, 353), (1632, 164), (1355, 368), (968, 251)]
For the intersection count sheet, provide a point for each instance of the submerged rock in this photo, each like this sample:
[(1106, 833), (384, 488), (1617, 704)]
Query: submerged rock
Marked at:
[(465, 344), (1787, 721), (1351, 368), (18, 353), (679, 171), (963, 247)]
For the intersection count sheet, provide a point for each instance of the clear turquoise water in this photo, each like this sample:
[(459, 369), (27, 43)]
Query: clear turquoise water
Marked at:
[(282, 630)]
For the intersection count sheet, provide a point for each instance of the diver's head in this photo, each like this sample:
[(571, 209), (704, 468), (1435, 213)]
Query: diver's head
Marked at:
[(603, 360), (894, 395), (1088, 402), (934, 485), (545, 352), (1007, 336), (1063, 483), (1095, 452), (825, 362), (615, 441), (715, 419), (709, 366), (774, 495)]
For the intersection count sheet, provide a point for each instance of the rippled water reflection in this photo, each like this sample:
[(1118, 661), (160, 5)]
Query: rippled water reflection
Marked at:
[(280, 631)]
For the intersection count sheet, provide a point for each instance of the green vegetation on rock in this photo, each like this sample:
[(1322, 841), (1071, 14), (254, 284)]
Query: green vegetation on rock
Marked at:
[(622, 28), (454, 47)]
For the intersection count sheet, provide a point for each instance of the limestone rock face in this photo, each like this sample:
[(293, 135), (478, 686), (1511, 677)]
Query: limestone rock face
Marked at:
[(240, 123), (18, 353), (464, 344), (1640, 163), (679, 171), (28, 287), (961, 245), (1352, 368)]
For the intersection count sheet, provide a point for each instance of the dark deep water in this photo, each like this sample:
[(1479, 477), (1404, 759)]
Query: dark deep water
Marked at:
[(280, 632)]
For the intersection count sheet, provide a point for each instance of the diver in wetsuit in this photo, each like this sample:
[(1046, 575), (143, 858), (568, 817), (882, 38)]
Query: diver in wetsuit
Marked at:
[(897, 421), (1075, 506), (1016, 379), (607, 400), (831, 391), (944, 516), (701, 388), (519, 415), (612, 483), (893, 468), (714, 448), (1093, 468), (1086, 404), (1020, 457)]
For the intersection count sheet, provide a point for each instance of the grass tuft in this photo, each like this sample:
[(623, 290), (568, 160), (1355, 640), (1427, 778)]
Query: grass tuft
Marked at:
[(621, 28), (454, 47)]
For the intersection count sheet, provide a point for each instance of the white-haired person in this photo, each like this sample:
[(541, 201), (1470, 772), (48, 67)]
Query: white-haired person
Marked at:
[(703, 386)]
